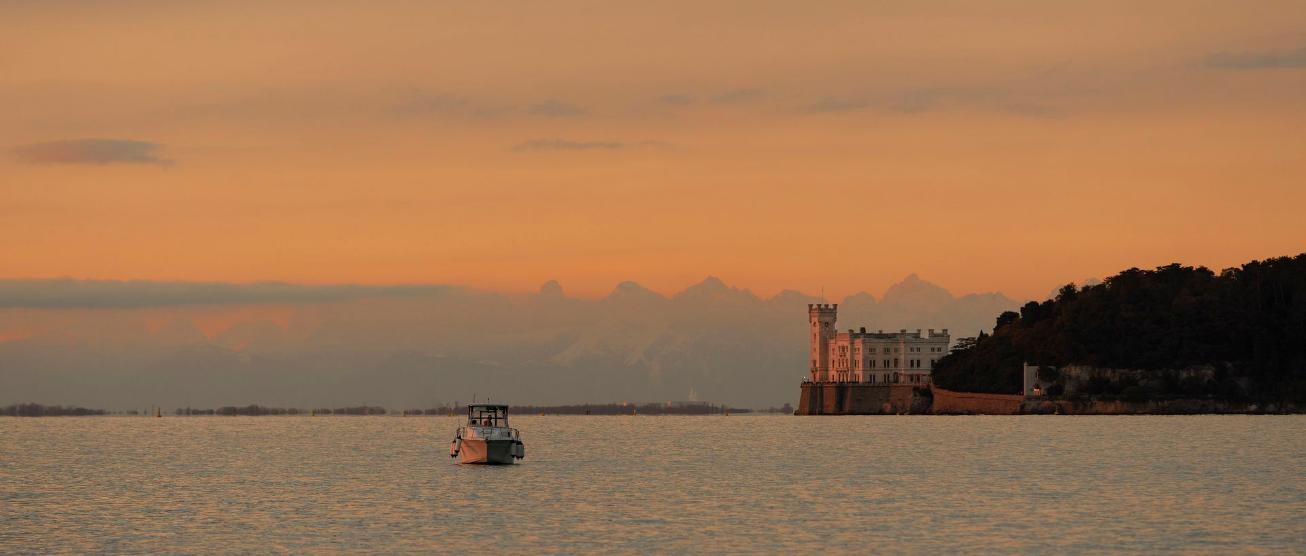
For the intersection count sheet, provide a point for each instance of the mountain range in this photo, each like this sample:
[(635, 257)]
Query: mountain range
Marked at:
[(423, 347)]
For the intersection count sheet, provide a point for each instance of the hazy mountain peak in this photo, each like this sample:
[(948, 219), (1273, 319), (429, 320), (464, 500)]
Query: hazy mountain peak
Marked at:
[(914, 291), (632, 290), (709, 286), (552, 290), (793, 296), (860, 297), (712, 288), (711, 282)]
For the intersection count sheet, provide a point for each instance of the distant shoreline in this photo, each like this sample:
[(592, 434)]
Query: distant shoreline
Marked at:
[(673, 408)]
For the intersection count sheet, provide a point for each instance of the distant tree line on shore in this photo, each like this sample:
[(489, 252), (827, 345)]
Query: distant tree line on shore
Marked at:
[(681, 408), (38, 410), (259, 410), (1247, 323), (677, 408)]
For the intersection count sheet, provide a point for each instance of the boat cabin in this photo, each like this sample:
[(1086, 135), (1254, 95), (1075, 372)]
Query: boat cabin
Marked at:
[(487, 415)]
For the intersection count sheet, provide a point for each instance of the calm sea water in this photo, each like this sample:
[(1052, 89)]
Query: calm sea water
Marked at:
[(750, 484)]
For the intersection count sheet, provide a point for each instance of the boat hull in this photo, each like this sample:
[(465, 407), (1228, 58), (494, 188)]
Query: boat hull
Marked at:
[(493, 452)]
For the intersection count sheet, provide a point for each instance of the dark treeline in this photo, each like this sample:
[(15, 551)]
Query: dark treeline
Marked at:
[(628, 409), (258, 410), (442, 410), (38, 410), (1247, 323)]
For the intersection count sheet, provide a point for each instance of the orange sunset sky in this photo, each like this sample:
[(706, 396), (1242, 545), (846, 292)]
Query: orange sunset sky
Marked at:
[(997, 146)]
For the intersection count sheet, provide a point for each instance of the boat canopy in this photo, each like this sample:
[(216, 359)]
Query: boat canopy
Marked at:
[(487, 415)]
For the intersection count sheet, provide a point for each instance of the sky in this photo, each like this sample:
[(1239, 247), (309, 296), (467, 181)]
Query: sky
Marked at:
[(988, 146)]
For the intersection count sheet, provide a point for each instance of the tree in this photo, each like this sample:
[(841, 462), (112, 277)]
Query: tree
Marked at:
[(1248, 321), (1007, 317)]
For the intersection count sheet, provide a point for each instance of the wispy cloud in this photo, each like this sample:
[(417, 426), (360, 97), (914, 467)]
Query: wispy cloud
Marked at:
[(448, 106), (562, 145), (677, 99), (838, 105), (1272, 59), (90, 151), (555, 109), (738, 96), (116, 294), (454, 106), (919, 101)]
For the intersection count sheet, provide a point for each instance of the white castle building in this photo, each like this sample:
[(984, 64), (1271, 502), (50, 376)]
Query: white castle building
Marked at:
[(871, 357)]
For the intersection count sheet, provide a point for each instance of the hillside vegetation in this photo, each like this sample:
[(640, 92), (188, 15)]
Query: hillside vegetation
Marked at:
[(1248, 323)]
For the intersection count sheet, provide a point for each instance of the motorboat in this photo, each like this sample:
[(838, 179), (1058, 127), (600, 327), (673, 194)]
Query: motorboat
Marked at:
[(486, 437)]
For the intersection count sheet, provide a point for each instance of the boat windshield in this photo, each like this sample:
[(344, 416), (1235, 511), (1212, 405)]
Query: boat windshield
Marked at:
[(487, 415)]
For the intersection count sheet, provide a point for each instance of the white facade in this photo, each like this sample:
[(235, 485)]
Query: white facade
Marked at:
[(870, 357)]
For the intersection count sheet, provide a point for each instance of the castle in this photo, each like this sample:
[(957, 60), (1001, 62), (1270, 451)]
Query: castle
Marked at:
[(865, 372), (871, 357)]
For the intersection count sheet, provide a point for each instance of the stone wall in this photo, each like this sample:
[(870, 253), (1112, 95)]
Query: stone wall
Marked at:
[(1074, 376), (947, 402), (1151, 407), (851, 398), (848, 398)]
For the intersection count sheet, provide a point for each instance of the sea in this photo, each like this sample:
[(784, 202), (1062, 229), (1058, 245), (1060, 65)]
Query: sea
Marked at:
[(737, 484)]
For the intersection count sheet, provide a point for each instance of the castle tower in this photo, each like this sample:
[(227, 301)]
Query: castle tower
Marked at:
[(821, 317)]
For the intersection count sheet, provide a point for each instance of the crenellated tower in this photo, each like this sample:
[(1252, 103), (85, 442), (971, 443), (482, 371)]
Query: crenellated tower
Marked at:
[(821, 318)]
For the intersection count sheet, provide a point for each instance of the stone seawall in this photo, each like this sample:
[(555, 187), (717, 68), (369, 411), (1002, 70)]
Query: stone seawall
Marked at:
[(840, 398), (947, 402), (844, 398), (1152, 407)]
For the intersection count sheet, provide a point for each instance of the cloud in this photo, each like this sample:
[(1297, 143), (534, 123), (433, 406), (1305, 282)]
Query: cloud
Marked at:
[(676, 99), (116, 294), (1274, 59), (557, 144), (449, 106), (555, 109), (90, 151), (738, 96), (919, 101), (455, 106), (838, 105)]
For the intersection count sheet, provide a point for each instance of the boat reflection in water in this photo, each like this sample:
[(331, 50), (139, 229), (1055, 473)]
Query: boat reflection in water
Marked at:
[(487, 438)]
